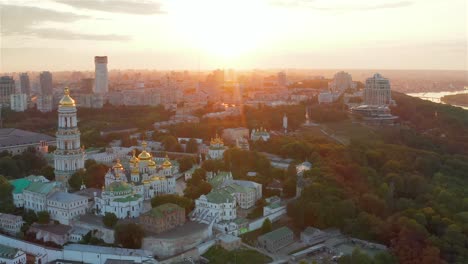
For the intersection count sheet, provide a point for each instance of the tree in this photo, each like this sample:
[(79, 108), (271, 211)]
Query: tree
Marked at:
[(77, 179), (110, 220), (266, 226), (170, 143), (185, 163), (48, 172), (29, 216), (6, 196), (193, 191), (192, 146), (43, 217), (129, 235), (93, 176)]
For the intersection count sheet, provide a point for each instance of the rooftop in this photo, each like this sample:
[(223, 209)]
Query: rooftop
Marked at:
[(8, 252), (118, 186), (64, 197), (276, 234), (311, 230), (130, 198), (41, 187), (13, 137), (219, 197), (10, 217), (20, 184), (219, 178)]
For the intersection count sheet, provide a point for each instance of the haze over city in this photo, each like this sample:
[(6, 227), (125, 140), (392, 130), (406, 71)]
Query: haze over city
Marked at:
[(225, 132), (207, 34)]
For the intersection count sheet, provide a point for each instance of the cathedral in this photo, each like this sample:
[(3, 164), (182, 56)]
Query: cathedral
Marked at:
[(145, 179), (69, 155), (216, 148)]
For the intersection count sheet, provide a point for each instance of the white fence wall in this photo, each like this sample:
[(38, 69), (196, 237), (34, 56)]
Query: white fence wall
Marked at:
[(256, 224)]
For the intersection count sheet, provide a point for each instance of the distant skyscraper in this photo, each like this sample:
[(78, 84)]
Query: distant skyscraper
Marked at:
[(101, 79), (87, 85), (377, 91), (285, 123), (282, 79), (45, 79), (25, 85), (7, 88), (341, 81)]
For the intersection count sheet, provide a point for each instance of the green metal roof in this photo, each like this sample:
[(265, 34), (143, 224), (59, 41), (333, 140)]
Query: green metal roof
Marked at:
[(219, 197), (159, 211), (217, 180), (7, 252), (274, 205), (130, 198), (236, 188), (276, 234), (41, 187), (119, 186), (20, 184)]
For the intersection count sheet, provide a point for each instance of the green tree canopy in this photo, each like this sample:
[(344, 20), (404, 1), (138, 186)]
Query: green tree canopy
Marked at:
[(129, 235), (266, 226), (110, 220), (43, 217)]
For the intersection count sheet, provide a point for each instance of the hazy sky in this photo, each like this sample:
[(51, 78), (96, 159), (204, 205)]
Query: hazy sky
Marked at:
[(193, 34)]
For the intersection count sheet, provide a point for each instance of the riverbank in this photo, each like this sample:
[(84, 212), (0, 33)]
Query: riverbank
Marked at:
[(436, 97), (456, 99)]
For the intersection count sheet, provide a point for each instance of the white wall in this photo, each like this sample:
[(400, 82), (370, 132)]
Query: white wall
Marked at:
[(46, 254), (256, 224)]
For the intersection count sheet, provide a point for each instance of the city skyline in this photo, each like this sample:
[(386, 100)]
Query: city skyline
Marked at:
[(66, 35)]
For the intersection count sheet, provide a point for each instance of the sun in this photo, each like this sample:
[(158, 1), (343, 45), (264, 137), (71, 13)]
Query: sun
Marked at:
[(225, 29)]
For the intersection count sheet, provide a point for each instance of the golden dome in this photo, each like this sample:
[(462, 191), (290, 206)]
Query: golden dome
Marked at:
[(166, 163), (151, 163), (118, 165), (216, 140), (133, 159), (66, 99), (135, 170), (144, 155)]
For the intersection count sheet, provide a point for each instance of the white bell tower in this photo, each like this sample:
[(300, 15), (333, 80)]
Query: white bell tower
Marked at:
[(69, 155)]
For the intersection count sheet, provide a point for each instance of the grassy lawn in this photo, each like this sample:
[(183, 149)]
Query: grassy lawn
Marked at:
[(219, 255)]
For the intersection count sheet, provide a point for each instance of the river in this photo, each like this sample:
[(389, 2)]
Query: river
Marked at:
[(435, 96)]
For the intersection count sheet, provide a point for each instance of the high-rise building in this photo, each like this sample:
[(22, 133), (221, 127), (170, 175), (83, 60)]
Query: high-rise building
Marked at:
[(282, 79), (87, 85), (341, 82), (101, 79), (7, 88), (44, 103), (45, 79), (18, 102), (25, 85), (285, 123), (377, 91), (69, 155)]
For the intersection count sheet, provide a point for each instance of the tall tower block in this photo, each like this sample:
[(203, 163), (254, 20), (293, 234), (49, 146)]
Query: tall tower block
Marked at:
[(101, 85), (69, 155), (285, 123)]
